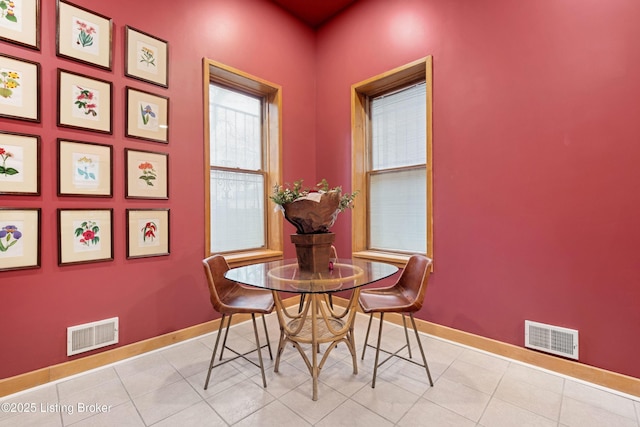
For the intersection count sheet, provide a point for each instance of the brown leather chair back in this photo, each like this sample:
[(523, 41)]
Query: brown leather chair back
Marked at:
[(219, 287), (413, 280)]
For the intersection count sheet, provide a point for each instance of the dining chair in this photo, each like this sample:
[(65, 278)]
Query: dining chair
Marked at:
[(229, 298), (332, 257), (406, 296)]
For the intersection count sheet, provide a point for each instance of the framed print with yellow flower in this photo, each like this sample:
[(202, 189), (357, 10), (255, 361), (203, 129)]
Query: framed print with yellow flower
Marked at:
[(85, 235), (147, 233), (83, 35), (19, 89), (84, 169), (19, 164), (84, 102), (146, 57), (146, 174), (19, 238), (147, 116), (20, 22)]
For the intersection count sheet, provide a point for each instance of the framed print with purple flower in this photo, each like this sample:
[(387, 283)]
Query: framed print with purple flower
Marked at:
[(19, 238), (20, 22), (147, 233), (85, 235), (83, 35), (146, 57), (19, 164), (84, 102), (19, 89), (147, 116)]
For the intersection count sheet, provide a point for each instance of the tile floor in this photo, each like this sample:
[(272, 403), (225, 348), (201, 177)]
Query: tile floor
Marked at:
[(472, 388)]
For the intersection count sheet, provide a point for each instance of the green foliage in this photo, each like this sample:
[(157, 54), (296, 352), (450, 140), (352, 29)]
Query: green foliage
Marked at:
[(283, 194)]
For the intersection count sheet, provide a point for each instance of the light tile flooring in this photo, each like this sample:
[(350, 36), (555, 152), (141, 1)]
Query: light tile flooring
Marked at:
[(472, 388)]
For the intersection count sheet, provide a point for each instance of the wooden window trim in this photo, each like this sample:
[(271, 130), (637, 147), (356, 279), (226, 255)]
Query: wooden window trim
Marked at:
[(421, 69), (272, 95)]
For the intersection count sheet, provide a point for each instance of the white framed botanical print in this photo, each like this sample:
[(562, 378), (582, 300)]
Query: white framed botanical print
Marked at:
[(85, 235), (19, 164), (147, 116), (84, 169), (147, 233), (84, 102), (146, 174), (20, 22), (19, 89), (19, 238), (146, 57)]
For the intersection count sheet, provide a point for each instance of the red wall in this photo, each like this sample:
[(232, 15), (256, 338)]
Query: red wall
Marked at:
[(535, 130), (536, 154), (155, 295)]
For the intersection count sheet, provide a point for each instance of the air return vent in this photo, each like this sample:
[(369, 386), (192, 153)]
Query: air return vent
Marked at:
[(92, 335), (551, 339)]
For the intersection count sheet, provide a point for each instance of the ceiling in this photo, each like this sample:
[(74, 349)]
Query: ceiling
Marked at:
[(314, 12)]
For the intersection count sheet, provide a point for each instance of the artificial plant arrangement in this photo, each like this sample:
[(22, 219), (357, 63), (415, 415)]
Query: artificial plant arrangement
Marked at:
[(311, 211)]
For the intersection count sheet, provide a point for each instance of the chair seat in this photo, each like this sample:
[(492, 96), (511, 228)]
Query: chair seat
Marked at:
[(247, 300), (387, 300)]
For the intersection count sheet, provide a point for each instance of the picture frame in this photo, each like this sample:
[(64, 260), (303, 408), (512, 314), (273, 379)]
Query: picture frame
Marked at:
[(146, 174), (146, 57), (19, 89), (19, 164), (20, 23), (84, 169), (84, 102), (83, 35), (19, 238), (147, 116), (84, 236), (148, 233)]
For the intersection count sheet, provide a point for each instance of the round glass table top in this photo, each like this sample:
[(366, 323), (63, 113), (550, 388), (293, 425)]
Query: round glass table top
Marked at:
[(285, 276)]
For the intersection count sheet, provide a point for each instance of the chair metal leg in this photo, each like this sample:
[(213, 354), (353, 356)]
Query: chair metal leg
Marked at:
[(375, 366), (224, 342), (213, 355), (424, 359), (302, 296), (255, 331), (406, 334), (264, 323), (366, 338)]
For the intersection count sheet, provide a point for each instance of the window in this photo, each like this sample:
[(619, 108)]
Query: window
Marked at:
[(392, 164), (242, 152)]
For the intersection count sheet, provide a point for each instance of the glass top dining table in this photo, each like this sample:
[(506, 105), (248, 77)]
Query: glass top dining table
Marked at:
[(285, 276), (317, 321)]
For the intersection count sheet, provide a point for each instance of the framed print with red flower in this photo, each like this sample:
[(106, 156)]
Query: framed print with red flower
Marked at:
[(20, 22), (19, 89), (19, 164), (85, 235), (83, 35), (146, 174), (147, 233), (84, 102), (19, 238), (147, 116)]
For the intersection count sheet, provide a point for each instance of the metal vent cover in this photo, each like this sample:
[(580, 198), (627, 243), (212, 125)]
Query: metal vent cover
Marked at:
[(89, 336), (551, 339)]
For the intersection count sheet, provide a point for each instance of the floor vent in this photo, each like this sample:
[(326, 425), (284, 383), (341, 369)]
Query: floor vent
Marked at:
[(92, 335), (551, 339)]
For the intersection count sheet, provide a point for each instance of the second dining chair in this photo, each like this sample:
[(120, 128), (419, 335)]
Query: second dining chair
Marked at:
[(406, 296), (229, 298)]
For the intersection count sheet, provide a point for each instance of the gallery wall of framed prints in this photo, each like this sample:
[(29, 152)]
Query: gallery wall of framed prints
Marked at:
[(110, 80)]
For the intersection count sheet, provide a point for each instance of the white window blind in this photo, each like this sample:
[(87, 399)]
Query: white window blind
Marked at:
[(237, 186), (397, 175)]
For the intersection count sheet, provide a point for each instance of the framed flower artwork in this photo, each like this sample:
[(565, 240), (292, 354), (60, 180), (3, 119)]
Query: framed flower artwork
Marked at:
[(19, 164), (83, 35), (19, 89), (147, 233), (147, 116), (20, 22), (85, 235), (146, 174), (84, 102), (19, 238), (146, 57), (84, 169)]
